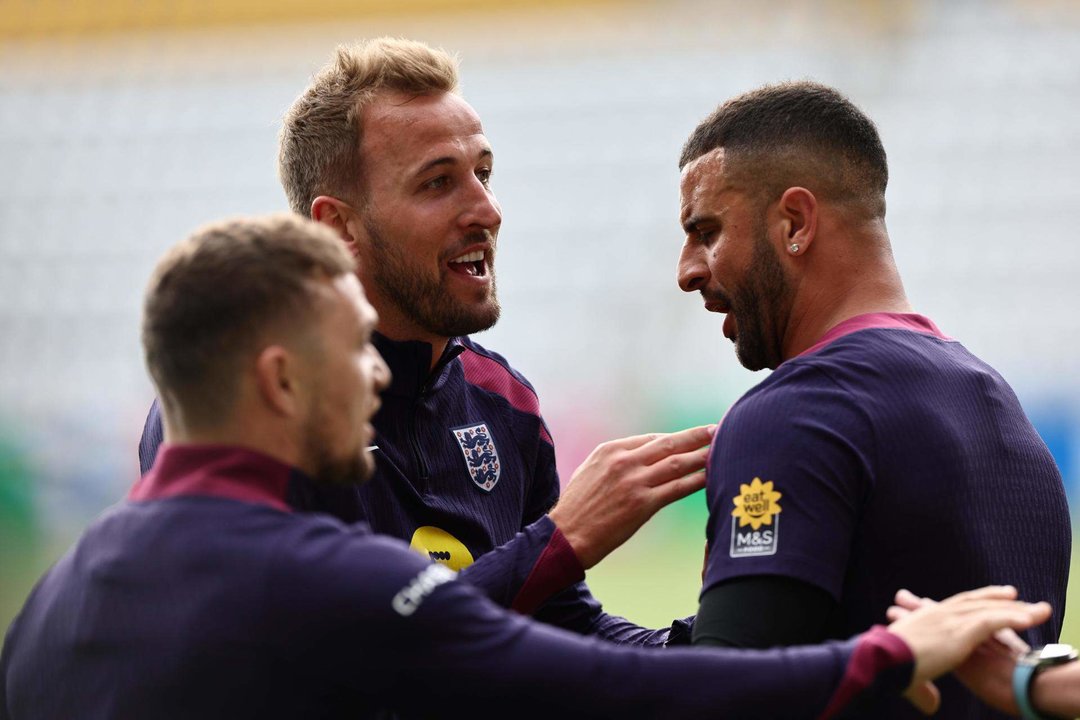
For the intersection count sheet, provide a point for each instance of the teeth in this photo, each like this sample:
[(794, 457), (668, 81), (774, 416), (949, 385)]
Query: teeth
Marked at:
[(476, 256)]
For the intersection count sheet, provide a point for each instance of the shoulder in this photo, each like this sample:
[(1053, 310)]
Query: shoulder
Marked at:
[(799, 383), (343, 565), (491, 372)]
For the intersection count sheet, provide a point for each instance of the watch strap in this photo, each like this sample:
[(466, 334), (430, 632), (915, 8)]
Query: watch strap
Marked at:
[(1022, 676)]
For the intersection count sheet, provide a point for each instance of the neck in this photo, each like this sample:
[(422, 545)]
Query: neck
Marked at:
[(254, 435), (843, 288)]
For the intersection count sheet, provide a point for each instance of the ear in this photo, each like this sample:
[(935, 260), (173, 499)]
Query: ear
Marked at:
[(278, 379), (341, 218), (798, 216)]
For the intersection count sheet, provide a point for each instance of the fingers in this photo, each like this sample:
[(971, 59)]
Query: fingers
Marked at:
[(684, 441), (909, 600), (1005, 639), (1012, 642), (925, 697), (633, 442), (942, 635), (679, 488), (1018, 616), (895, 612), (1001, 592)]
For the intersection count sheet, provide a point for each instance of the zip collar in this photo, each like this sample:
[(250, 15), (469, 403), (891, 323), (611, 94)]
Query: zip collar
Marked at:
[(410, 364), (221, 471)]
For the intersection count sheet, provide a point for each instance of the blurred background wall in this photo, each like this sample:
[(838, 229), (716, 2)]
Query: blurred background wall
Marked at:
[(125, 124)]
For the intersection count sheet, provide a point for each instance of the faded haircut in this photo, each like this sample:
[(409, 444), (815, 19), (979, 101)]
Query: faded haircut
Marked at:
[(319, 151), (796, 134), (216, 295)]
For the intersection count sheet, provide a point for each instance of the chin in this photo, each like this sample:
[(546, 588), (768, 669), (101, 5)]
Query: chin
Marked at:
[(356, 470)]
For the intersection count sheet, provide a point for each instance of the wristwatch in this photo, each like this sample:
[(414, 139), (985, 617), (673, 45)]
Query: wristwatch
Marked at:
[(1031, 664)]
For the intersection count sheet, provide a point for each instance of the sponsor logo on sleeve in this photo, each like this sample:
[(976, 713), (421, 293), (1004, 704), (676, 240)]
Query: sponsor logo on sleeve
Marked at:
[(481, 457), (442, 547), (408, 600), (756, 528)]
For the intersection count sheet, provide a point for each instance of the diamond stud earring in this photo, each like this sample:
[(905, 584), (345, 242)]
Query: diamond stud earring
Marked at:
[(794, 248)]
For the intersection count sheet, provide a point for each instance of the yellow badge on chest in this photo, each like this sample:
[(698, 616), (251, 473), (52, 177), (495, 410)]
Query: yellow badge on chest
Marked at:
[(442, 547)]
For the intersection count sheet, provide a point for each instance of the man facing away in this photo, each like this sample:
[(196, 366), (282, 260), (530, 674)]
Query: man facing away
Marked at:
[(382, 148), (206, 595), (880, 453)]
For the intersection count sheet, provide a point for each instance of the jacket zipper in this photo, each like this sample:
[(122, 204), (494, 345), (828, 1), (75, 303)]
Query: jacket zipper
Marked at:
[(418, 453)]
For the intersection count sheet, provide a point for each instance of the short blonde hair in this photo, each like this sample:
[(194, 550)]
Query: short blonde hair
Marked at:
[(319, 151), (214, 297)]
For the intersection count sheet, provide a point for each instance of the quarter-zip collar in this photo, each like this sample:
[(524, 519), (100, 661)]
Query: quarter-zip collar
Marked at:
[(410, 360), (222, 471)]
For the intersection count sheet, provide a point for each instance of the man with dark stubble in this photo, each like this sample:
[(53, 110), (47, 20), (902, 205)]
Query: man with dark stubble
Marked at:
[(880, 453), (211, 592)]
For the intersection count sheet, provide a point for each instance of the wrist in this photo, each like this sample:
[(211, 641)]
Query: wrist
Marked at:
[(1056, 692), (576, 542), (1034, 698)]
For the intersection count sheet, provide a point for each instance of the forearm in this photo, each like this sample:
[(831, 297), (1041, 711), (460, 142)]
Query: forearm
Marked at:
[(575, 609), (529, 569), (510, 667)]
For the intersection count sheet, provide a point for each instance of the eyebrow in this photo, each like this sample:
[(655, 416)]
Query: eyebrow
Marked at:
[(450, 160), (690, 224)]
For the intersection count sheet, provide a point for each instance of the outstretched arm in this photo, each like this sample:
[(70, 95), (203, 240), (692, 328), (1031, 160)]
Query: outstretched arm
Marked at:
[(616, 490), (496, 663)]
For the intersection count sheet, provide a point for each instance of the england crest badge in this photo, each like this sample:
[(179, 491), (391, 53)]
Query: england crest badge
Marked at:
[(481, 457)]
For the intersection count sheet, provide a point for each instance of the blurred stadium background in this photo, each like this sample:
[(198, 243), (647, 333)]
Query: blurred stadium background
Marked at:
[(125, 124)]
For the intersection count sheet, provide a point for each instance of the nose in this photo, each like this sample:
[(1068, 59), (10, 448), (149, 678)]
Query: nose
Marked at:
[(692, 271), (483, 210)]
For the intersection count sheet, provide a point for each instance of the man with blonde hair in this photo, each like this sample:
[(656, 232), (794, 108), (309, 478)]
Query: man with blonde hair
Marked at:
[(207, 595), (382, 148)]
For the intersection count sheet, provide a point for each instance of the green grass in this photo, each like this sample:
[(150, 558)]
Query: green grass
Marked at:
[(1070, 631)]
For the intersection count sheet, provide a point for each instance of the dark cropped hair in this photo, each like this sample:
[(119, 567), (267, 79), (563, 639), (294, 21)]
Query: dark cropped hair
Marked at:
[(797, 133), (217, 294)]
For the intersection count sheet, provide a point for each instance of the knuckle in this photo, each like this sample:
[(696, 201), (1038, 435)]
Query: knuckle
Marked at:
[(618, 465)]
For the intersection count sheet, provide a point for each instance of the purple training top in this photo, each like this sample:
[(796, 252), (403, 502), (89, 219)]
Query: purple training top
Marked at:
[(205, 596), (464, 463), (888, 456)]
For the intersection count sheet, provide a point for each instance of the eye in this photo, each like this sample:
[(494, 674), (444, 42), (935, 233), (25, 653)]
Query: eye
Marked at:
[(707, 234), (484, 174), (437, 183)]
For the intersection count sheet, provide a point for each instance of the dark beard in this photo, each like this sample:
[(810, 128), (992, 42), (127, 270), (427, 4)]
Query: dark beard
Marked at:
[(755, 304), (426, 302), (350, 470), (355, 470)]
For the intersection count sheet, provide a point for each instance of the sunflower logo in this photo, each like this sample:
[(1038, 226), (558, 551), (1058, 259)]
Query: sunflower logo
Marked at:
[(756, 504)]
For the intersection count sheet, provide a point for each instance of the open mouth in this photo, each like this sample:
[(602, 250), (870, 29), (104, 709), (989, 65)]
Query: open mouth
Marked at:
[(470, 264)]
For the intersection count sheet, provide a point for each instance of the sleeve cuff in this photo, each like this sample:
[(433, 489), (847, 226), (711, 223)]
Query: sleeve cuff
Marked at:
[(881, 663), (557, 568)]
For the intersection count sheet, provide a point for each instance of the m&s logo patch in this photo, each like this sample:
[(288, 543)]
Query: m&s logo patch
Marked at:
[(755, 529)]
